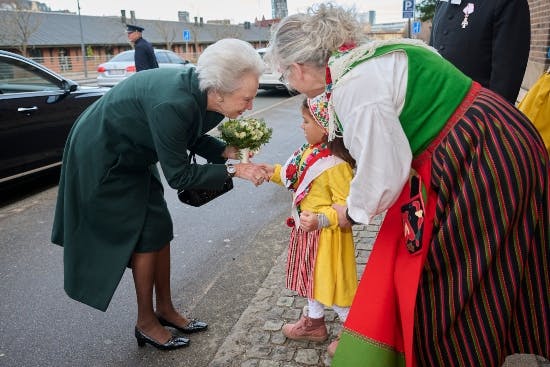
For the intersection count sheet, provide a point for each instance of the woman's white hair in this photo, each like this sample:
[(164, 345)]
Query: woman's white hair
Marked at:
[(222, 65), (312, 37)]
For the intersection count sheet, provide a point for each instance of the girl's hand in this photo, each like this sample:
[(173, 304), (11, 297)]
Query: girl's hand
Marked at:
[(270, 169), (308, 221)]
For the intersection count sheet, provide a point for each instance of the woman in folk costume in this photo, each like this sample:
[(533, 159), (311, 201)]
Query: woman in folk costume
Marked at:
[(459, 273), (321, 255)]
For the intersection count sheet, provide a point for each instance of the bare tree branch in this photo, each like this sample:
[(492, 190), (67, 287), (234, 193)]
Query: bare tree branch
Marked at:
[(18, 24), (167, 33), (228, 31)]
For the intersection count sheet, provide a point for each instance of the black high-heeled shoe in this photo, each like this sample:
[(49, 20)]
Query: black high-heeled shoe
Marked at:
[(174, 342), (193, 326)]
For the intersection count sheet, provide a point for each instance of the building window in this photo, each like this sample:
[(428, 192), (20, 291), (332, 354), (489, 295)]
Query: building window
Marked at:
[(64, 60), (36, 54)]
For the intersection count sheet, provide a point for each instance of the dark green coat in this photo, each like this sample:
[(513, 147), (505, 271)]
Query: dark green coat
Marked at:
[(109, 169)]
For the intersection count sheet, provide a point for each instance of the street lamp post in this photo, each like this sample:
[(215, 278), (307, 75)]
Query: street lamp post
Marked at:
[(82, 41)]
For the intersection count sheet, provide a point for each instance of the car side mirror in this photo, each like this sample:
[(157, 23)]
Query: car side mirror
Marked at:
[(69, 86)]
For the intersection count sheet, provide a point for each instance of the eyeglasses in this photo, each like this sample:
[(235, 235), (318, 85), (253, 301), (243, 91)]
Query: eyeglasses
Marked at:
[(284, 77)]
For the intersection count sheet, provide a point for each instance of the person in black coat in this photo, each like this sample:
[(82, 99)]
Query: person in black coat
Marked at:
[(144, 55), (487, 40)]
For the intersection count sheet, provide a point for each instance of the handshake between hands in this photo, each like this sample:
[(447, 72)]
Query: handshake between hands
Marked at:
[(255, 173)]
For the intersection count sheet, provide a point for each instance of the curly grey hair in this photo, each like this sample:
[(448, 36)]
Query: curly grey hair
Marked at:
[(312, 37), (222, 65)]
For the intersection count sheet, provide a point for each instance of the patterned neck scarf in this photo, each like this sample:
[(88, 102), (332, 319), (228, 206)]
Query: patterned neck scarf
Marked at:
[(296, 167)]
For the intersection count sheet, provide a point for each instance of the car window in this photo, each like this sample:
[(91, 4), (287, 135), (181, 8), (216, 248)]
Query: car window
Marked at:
[(175, 59), (124, 57), (18, 77), (162, 57)]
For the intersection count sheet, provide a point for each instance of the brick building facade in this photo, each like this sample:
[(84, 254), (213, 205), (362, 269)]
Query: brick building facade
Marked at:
[(539, 56)]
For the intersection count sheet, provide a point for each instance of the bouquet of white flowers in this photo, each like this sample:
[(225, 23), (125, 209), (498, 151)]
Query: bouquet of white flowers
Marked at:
[(246, 134)]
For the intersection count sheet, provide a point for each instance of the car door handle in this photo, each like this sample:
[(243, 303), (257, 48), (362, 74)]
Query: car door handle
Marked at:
[(27, 109)]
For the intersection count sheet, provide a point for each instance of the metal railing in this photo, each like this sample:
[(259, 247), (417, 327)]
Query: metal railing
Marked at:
[(74, 65)]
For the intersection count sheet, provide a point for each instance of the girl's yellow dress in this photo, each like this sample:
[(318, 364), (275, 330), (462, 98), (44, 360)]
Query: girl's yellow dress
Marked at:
[(335, 272)]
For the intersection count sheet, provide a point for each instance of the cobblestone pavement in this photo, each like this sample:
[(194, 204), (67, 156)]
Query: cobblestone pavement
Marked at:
[(256, 339)]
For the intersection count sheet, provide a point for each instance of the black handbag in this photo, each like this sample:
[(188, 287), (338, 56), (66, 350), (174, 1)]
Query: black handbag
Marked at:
[(199, 197)]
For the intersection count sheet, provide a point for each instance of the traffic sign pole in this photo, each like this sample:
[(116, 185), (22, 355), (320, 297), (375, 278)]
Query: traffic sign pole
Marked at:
[(408, 12), (186, 38)]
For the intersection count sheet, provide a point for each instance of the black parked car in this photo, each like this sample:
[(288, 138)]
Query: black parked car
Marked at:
[(37, 110)]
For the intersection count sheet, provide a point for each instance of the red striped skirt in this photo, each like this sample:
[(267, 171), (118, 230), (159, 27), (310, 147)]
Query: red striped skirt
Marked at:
[(300, 264), (484, 291)]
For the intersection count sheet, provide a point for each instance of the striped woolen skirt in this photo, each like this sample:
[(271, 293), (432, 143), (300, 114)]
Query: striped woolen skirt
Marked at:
[(485, 290), (300, 264)]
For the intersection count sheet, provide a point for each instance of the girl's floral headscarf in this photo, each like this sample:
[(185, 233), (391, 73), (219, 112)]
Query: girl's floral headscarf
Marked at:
[(318, 107)]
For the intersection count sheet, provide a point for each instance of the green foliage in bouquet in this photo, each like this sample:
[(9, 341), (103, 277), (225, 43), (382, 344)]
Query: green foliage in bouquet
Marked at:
[(245, 132)]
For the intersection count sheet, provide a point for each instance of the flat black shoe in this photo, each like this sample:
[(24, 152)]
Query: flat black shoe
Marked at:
[(174, 342), (192, 327)]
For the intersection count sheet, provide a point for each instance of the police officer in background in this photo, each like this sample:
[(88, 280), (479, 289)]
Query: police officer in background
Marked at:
[(487, 40), (144, 55)]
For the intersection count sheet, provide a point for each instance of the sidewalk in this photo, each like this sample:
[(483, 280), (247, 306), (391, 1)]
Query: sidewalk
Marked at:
[(256, 339)]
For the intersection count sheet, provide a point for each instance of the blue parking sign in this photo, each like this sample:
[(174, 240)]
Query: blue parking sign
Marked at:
[(186, 35), (408, 9)]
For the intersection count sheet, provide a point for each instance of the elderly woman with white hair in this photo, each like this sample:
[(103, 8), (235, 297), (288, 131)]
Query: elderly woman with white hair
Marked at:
[(111, 212)]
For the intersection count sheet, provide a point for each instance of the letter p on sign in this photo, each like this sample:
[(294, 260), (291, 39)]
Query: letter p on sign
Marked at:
[(408, 9)]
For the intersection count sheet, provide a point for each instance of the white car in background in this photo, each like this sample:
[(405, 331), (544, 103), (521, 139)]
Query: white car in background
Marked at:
[(122, 66), (270, 78)]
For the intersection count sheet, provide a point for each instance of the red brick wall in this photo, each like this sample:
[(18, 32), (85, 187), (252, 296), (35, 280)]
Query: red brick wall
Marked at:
[(540, 30), (540, 41)]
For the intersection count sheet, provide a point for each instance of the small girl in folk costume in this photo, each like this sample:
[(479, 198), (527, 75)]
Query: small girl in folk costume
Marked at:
[(321, 255)]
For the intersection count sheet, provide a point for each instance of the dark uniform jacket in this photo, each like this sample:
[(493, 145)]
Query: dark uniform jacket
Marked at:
[(109, 176), (493, 48), (144, 55)]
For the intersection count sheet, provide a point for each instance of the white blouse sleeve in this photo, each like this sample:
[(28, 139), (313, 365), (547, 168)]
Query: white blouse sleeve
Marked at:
[(368, 101)]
